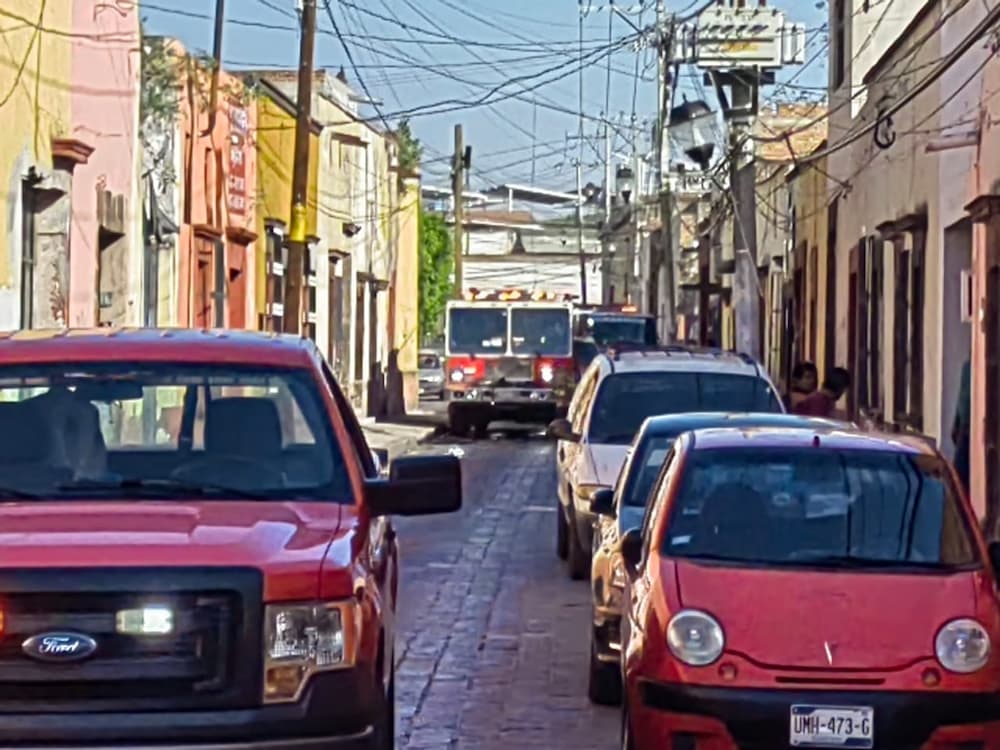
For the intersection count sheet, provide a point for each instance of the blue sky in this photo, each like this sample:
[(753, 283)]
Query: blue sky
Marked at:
[(409, 53)]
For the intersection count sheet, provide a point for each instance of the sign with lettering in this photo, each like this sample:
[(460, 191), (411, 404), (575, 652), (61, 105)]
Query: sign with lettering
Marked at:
[(236, 176)]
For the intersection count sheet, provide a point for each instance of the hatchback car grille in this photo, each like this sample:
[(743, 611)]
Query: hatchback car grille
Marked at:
[(207, 661)]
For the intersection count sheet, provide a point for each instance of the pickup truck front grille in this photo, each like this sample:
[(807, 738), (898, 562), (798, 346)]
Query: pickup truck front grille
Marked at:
[(210, 660)]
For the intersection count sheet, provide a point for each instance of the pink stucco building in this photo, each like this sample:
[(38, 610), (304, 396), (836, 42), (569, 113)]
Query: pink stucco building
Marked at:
[(216, 242), (105, 248)]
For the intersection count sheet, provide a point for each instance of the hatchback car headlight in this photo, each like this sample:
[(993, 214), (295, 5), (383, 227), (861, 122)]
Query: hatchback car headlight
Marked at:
[(695, 637), (962, 646), (301, 640)]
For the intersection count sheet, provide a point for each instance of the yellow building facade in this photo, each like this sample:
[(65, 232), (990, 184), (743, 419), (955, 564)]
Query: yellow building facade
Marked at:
[(275, 143), (35, 103)]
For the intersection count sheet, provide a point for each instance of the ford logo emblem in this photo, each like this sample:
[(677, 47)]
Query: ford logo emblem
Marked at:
[(59, 647)]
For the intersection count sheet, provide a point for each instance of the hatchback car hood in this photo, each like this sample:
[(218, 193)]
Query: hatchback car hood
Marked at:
[(789, 619), (288, 542)]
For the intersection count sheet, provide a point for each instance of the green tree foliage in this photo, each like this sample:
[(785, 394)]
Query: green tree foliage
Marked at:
[(436, 263), (411, 151)]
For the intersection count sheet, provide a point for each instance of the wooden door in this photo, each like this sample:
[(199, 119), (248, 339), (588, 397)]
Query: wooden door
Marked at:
[(201, 300)]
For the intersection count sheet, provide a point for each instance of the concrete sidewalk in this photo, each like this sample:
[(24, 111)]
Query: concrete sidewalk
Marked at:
[(399, 437)]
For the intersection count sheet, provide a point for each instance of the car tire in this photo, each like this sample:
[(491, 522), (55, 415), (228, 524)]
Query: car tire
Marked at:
[(577, 560), (384, 735), (604, 684), (458, 423), (562, 532), (627, 741)]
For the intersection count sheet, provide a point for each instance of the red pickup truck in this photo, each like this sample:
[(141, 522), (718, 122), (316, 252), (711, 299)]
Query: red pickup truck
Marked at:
[(196, 548)]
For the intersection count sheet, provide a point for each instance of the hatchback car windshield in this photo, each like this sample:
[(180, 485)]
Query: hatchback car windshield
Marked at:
[(155, 430), (625, 400), (815, 506)]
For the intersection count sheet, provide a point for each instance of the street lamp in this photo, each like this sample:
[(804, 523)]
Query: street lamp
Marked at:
[(625, 182), (693, 125)]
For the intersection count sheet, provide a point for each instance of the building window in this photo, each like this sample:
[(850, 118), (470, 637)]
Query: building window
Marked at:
[(275, 259), (309, 329), (28, 211), (838, 65)]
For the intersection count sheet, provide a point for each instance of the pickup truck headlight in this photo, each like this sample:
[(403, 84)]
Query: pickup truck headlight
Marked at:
[(304, 639), (962, 646)]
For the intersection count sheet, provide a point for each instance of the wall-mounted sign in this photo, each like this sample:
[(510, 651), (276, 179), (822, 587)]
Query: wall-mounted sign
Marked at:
[(236, 174), (729, 38)]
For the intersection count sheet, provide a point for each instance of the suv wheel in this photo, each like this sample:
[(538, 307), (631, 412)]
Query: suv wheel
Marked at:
[(604, 686), (562, 532), (577, 559)]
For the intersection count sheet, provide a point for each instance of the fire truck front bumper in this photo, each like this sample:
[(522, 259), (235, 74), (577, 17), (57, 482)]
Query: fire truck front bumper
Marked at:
[(515, 403)]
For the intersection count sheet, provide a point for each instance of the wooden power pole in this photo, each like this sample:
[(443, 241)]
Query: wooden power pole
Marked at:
[(458, 167), (295, 271)]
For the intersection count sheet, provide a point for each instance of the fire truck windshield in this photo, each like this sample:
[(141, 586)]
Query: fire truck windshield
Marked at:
[(542, 331), (477, 330)]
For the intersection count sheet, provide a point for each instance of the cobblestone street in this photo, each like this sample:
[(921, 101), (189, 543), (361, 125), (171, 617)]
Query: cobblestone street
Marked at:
[(492, 641)]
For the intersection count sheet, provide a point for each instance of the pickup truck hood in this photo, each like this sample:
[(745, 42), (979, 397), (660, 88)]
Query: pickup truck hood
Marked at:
[(288, 542), (870, 621)]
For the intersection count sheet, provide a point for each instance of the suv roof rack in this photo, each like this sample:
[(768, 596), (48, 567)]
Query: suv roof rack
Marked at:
[(615, 350)]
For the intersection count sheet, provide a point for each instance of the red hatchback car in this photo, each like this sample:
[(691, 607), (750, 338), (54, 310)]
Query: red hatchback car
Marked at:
[(809, 589)]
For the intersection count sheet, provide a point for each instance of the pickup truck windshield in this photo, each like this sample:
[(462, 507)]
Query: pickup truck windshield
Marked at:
[(155, 430), (625, 400), (819, 507)]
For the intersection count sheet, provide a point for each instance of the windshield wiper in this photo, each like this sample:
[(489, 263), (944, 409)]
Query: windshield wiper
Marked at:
[(158, 487), (849, 562)]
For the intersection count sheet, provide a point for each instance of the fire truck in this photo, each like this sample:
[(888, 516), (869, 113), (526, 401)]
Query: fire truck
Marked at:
[(509, 357), (609, 324)]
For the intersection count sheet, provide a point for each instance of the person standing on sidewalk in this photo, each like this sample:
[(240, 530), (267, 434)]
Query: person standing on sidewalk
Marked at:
[(823, 402), (805, 380), (961, 427)]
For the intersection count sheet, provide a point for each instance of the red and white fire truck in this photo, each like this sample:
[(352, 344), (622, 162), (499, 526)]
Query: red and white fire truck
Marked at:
[(509, 358)]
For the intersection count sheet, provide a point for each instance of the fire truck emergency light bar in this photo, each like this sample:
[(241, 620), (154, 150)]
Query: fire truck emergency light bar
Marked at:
[(514, 295)]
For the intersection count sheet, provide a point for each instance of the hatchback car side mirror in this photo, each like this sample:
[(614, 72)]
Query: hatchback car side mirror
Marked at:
[(561, 429), (602, 502), (630, 548), (416, 486), (994, 550)]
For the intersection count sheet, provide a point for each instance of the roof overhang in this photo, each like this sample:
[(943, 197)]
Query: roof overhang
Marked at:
[(532, 195)]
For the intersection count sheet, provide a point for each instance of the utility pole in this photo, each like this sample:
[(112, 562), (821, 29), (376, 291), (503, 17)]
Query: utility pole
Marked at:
[(743, 182), (608, 180), (458, 167), (579, 233), (663, 57), (295, 272)]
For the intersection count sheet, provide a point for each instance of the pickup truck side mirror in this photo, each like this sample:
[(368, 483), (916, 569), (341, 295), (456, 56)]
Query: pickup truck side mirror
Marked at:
[(380, 457), (602, 502), (631, 549), (994, 550), (416, 486), (561, 429)]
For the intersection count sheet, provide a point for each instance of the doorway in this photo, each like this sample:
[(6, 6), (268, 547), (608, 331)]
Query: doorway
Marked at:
[(956, 333)]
